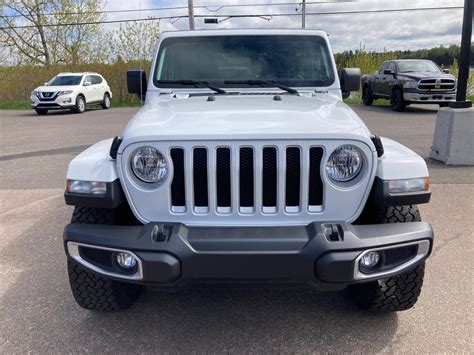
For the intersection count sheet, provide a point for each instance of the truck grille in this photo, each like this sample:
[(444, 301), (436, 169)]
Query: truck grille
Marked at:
[(436, 85), (246, 179)]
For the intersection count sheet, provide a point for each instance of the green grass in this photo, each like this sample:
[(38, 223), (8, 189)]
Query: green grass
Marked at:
[(14, 106), (353, 100), (26, 105)]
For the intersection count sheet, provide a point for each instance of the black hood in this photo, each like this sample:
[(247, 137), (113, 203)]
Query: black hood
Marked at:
[(425, 75)]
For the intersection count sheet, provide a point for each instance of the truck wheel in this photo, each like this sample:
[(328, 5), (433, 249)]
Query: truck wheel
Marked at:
[(80, 106), (396, 293), (93, 291), (106, 102), (41, 111), (397, 101), (367, 97)]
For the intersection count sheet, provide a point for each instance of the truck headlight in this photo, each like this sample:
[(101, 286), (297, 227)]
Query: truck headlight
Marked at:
[(149, 165), (410, 84), (344, 163)]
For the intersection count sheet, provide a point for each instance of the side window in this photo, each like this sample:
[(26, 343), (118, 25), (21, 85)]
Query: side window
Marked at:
[(392, 67), (383, 67), (96, 79), (88, 79)]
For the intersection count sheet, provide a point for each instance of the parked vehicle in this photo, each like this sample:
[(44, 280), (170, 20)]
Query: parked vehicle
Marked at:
[(245, 166), (72, 91), (409, 81)]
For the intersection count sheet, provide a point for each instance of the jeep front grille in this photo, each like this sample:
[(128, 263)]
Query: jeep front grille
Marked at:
[(436, 85), (246, 179)]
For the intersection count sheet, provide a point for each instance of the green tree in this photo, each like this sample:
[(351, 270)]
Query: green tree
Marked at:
[(135, 41), (47, 32)]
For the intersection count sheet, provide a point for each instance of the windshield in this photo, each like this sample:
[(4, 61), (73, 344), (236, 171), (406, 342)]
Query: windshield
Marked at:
[(301, 61), (65, 80), (417, 66)]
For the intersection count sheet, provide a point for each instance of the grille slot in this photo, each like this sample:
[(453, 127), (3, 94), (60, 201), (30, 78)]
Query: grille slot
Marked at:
[(178, 193), (269, 177), (293, 178), (223, 179), (201, 195), (315, 193), (246, 174)]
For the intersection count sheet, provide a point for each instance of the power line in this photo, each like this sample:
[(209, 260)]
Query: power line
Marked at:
[(210, 8), (228, 16)]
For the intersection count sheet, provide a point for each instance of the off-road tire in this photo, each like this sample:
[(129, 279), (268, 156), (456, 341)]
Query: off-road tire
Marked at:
[(397, 293), (106, 102), (80, 106), (393, 294), (96, 293), (367, 96), (397, 102), (93, 291), (41, 111)]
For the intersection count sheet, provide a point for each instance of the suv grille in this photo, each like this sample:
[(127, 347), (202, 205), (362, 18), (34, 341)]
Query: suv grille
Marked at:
[(436, 84), (246, 179)]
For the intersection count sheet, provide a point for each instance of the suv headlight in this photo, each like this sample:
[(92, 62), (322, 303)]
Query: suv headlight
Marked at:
[(149, 165), (344, 163), (67, 92)]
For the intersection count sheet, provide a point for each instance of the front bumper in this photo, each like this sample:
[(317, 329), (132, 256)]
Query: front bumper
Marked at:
[(413, 95), (60, 102), (322, 254)]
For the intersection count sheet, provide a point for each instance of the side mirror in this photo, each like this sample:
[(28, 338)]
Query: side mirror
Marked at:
[(46, 84), (388, 72), (446, 71), (87, 83), (350, 81), (137, 83)]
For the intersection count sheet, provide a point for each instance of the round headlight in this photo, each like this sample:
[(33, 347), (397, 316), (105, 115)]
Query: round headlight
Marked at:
[(345, 163), (149, 165)]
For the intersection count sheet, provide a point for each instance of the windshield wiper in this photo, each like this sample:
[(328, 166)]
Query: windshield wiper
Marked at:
[(263, 82), (195, 83)]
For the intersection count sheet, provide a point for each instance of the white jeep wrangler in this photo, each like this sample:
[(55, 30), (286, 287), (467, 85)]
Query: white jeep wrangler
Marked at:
[(245, 166)]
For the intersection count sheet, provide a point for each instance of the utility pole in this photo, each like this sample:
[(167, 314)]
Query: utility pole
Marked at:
[(464, 59), (191, 14), (453, 141), (303, 14)]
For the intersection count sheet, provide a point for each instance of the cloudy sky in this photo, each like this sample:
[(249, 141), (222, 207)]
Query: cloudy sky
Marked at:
[(376, 31)]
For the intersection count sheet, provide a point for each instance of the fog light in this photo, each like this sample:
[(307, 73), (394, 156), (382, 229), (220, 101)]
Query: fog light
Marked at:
[(126, 260), (370, 259)]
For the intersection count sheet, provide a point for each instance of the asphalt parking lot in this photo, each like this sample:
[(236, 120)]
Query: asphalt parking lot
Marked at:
[(39, 315)]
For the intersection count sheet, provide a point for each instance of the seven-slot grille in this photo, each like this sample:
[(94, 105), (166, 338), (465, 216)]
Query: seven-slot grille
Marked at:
[(247, 179), (436, 84)]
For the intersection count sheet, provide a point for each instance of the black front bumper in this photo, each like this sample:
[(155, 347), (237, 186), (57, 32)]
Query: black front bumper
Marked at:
[(322, 254)]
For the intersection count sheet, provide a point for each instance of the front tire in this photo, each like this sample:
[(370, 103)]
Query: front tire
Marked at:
[(397, 102), (106, 102), (367, 96), (93, 291), (41, 111), (396, 293), (80, 106)]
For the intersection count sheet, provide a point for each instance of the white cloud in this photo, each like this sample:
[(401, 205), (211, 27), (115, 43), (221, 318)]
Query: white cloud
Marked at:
[(376, 31)]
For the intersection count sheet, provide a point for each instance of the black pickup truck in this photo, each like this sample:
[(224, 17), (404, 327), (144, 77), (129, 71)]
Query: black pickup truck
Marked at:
[(409, 81)]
